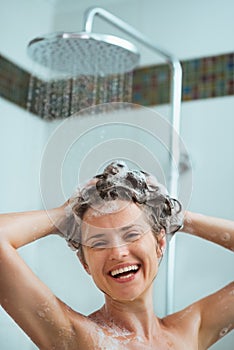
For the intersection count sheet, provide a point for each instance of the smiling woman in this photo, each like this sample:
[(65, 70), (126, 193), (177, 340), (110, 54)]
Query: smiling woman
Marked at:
[(118, 223), (123, 262)]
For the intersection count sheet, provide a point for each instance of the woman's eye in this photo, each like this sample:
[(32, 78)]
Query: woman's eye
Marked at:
[(133, 236), (101, 244)]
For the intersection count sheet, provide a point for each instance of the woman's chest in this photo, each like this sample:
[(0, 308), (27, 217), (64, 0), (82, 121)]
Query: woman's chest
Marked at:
[(102, 341)]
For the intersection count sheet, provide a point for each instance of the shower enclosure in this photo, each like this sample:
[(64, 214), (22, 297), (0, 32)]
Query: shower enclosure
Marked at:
[(206, 127)]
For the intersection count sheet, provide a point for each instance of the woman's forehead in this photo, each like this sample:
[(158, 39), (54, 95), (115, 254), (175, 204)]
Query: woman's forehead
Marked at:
[(114, 214)]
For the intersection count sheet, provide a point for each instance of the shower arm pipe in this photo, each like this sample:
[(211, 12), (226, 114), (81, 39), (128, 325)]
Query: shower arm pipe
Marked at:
[(175, 96), (176, 78)]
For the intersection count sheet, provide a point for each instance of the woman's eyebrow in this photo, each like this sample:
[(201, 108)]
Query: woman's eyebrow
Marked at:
[(126, 228), (99, 235)]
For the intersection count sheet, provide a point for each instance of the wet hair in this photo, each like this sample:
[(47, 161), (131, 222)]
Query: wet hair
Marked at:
[(118, 182)]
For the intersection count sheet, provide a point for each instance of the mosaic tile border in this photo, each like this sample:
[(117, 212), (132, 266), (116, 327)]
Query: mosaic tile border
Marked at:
[(202, 78), (206, 77), (14, 82)]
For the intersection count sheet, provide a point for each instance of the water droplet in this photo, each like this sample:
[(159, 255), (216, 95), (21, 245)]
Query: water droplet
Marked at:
[(225, 330), (226, 237), (41, 314)]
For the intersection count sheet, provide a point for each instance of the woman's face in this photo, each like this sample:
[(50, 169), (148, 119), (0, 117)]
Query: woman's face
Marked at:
[(120, 250)]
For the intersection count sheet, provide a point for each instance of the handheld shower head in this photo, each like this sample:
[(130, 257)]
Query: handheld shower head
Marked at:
[(84, 53)]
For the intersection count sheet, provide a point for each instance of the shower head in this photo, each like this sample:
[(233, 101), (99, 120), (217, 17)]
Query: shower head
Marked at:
[(84, 53)]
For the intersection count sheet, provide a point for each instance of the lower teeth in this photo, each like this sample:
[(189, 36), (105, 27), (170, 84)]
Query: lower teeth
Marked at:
[(126, 276)]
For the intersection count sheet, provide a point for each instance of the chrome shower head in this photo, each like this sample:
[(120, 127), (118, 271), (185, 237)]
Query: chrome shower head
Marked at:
[(84, 53)]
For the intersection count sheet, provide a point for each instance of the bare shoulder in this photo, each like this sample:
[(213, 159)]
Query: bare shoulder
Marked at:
[(183, 327), (205, 321), (217, 315), (91, 332)]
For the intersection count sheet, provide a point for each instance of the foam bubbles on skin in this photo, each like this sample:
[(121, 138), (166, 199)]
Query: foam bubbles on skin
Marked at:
[(225, 330), (111, 336), (115, 339), (43, 312), (226, 237), (186, 312), (105, 343)]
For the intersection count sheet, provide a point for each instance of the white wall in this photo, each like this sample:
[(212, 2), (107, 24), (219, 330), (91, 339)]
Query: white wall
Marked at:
[(22, 21), (189, 30)]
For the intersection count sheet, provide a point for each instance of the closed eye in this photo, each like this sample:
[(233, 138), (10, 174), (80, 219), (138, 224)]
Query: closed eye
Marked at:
[(99, 244), (132, 236)]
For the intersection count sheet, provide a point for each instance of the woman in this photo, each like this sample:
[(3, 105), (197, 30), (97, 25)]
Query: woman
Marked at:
[(118, 224)]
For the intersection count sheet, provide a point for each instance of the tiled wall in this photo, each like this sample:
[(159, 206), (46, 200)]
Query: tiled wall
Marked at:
[(202, 78)]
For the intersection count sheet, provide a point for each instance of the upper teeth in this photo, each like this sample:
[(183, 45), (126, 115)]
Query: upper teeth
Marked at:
[(124, 269)]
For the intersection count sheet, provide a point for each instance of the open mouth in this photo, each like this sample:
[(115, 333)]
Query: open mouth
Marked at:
[(125, 272)]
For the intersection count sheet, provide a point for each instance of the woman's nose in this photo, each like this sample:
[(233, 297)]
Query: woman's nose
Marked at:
[(116, 253)]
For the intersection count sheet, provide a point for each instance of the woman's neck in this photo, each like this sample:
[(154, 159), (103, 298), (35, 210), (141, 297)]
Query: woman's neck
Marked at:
[(135, 316)]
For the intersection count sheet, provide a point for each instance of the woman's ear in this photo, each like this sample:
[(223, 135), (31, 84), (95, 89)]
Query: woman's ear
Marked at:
[(81, 257), (161, 243)]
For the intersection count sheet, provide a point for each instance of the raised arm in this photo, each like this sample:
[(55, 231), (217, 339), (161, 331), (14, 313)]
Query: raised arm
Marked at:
[(27, 300), (219, 231), (19, 229), (216, 311)]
